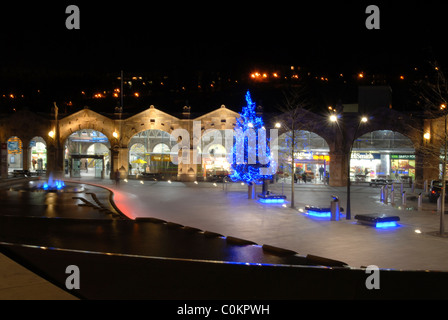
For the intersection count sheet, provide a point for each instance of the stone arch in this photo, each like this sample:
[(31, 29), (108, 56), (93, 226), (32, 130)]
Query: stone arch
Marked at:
[(150, 119), (37, 154), (161, 148), (395, 121), (86, 120)]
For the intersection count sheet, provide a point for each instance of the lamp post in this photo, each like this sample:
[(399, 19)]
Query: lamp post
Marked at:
[(334, 118), (292, 129)]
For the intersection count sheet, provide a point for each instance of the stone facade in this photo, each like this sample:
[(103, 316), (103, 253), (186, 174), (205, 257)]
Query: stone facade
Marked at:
[(119, 131)]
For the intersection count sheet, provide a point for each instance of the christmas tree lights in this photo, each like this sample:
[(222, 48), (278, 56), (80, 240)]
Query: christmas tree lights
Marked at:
[(251, 153)]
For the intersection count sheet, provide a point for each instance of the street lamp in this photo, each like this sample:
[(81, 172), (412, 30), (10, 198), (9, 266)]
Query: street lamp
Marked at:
[(364, 119)]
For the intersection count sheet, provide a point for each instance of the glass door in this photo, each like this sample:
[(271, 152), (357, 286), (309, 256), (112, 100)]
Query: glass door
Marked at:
[(98, 168), (76, 168)]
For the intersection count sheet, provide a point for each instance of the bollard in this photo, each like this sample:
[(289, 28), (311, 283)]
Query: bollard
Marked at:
[(420, 198), (439, 204), (251, 190), (403, 198), (392, 197), (334, 208), (382, 194), (386, 194), (401, 187)]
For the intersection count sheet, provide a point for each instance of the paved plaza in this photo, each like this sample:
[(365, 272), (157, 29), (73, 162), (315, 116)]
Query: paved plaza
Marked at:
[(226, 209)]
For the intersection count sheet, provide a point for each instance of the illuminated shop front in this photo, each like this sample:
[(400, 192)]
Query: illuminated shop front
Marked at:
[(403, 165), (368, 165), (38, 154), (315, 166), (382, 154), (150, 153), (214, 161), (311, 156), (87, 154), (15, 154)]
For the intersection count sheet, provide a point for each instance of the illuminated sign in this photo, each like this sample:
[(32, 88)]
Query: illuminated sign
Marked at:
[(14, 146), (321, 157), (365, 155), (158, 158), (403, 156)]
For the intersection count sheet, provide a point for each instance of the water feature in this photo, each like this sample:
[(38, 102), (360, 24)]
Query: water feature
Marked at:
[(52, 185)]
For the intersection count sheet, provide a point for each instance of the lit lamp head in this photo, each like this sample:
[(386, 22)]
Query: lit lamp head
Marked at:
[(51, 134), (115, 135), (333, 118), (427, 136)]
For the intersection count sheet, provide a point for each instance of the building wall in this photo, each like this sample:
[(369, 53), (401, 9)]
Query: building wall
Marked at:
[(26, 125)]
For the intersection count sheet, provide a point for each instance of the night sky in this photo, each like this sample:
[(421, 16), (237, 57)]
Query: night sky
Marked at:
[(231, 37)]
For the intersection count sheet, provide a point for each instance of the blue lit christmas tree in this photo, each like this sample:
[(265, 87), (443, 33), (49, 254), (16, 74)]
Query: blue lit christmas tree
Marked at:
[(251, 152)]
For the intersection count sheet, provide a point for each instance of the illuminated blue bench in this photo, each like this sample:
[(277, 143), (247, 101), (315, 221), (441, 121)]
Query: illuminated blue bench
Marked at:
[(319, 212), (378, 220), (271, 198)]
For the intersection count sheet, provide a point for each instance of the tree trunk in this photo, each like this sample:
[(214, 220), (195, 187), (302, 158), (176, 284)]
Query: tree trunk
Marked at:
[(292, 168)]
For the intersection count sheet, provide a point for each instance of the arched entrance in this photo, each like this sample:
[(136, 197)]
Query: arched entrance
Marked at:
[(311, 156), (150, 154), (87, 154), (38, 155), (382, 154), (214, 154)]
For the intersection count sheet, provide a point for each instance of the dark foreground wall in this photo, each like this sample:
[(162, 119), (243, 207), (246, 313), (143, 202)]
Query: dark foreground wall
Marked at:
[(105, 276)]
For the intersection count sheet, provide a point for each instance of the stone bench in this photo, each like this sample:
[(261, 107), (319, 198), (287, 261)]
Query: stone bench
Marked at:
[(378, 220), (18, 173)]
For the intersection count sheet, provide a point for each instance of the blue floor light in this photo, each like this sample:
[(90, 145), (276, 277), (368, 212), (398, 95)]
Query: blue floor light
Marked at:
[(262, 200), (386, 225), (318, 214), (269, 197), (378, 220)]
